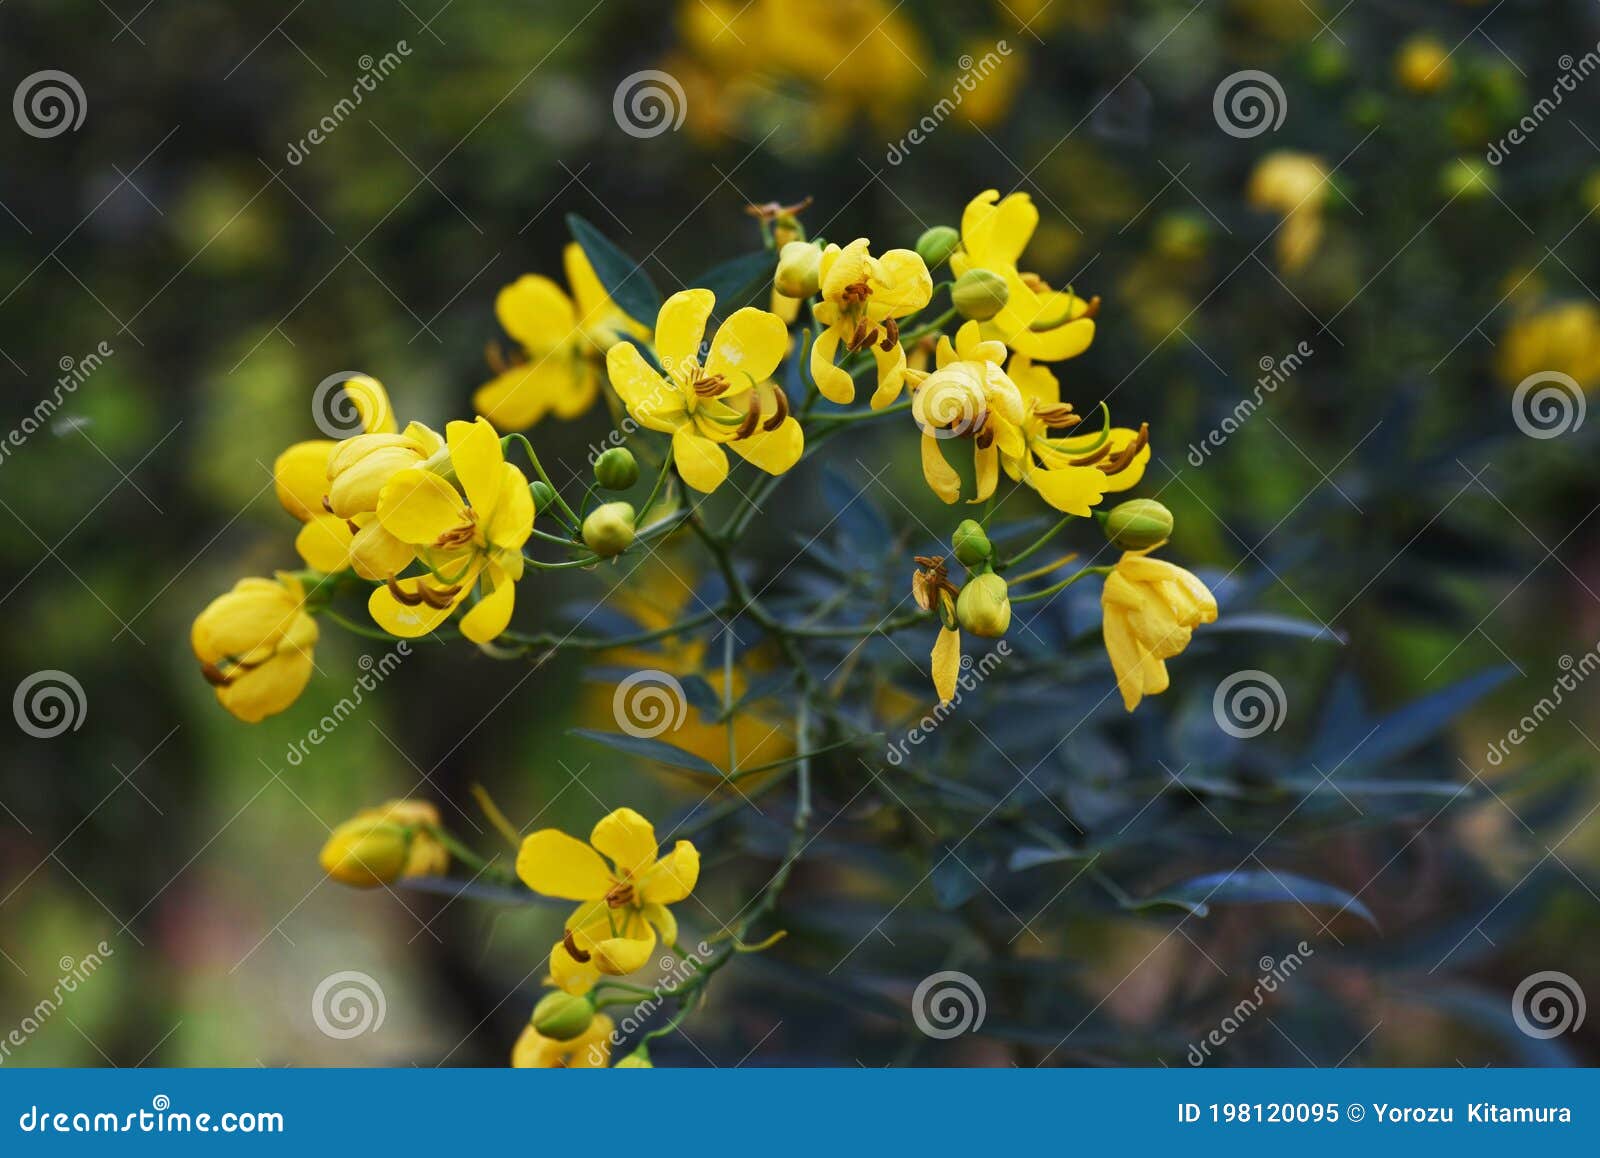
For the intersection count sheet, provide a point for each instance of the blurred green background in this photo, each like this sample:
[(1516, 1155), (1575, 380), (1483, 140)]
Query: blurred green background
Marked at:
[(1385, 489)]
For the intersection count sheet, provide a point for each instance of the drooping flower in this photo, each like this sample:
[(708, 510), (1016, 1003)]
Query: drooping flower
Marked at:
[(380, 845), (863, 298), (968, 397), (1563, 338), (624, 902), (590, 1050), (1150, 609), (1294, 186), (255, 646), (726, 399), (932, 590), (468, 542), (1047, 325), (562, 340), (1074, 472)]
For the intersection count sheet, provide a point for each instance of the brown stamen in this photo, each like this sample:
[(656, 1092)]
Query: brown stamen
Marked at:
[(459, 536), (891, 335), (709, 386), (495, 356), (772, 210), (438, 598), (1058, 416), (984, 438), (1093, 308), (215, 676), (1093, 457), (780, 411), (620, 894), (326, 505), (401, 595), (581, 956), (865, 335), (752, 418), (855, 293), (1127, 454)]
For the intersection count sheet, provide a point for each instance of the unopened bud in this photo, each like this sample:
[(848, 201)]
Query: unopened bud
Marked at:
[(970, 544), (799, 270), (936, 245), (984, 607), (639, 1059), (366, 852), (561, 1016), (616, 469), (980, 294), (786, 227), (1138, 524), (608, 530), (543, 497)]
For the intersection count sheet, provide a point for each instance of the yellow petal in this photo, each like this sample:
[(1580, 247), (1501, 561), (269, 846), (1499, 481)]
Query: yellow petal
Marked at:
[(1071, 490), (476, 455), (574, 976), (269, 688), (591, 296), (987, 462), (748, 347), (619, 956), (561, 381), (994, 236), (842, 268), (904, 285), (774, 451), (557, 865), (700, 461), (628, 839), (372, 403), (891, 374), (946, 663), (511, 522), (491, 614), (673, 877), (942, 478), (375, 553), (1055, 345), (665, 923), (681, 326), (324, 543), (402, 619), (635, 382), (417, 506), (832, 383), (300, 476), (536, 312)]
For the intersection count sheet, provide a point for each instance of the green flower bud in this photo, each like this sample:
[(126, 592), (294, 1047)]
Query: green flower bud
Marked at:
[(543, 497), (980, 294), (936, 245), (1137, 524), (609, 529), (1467, 177), (1327, 61), (984, 608), (561, 1017), (970, 544), (1182, 236), (616, 470), (799, 270), (639, 1059)]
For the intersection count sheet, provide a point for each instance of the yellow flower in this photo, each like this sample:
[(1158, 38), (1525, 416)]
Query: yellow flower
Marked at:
[(469, 541), (255, 644), (562, 340), (933, 591), (1423, 65), (625, 903), (1564, 339), (1295, 186), (862, 299), (1150, 608), (1072, 473), (968, 396), (727, 399), (590, 1050), (1045, 324), (383, 844)]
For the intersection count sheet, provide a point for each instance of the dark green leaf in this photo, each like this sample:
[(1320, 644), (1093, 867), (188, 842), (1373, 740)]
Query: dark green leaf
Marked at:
[(649, 749), (733, 281), (1271, 623), (1033, 857), (625, 280), (1399, 732), (1255, 887)]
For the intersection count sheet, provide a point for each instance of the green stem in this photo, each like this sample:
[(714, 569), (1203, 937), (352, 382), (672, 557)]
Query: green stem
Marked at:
[(1037, 544), (538, 468), (1061, 586)]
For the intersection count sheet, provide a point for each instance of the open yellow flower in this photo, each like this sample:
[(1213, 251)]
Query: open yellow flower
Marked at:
[(1150, 609), (1071, 473), (562, 340), (255, 646), (624, 903), (466, 542), (725, 400), (1045, 324), (590, 1050), (863, 298), (968, 396)]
